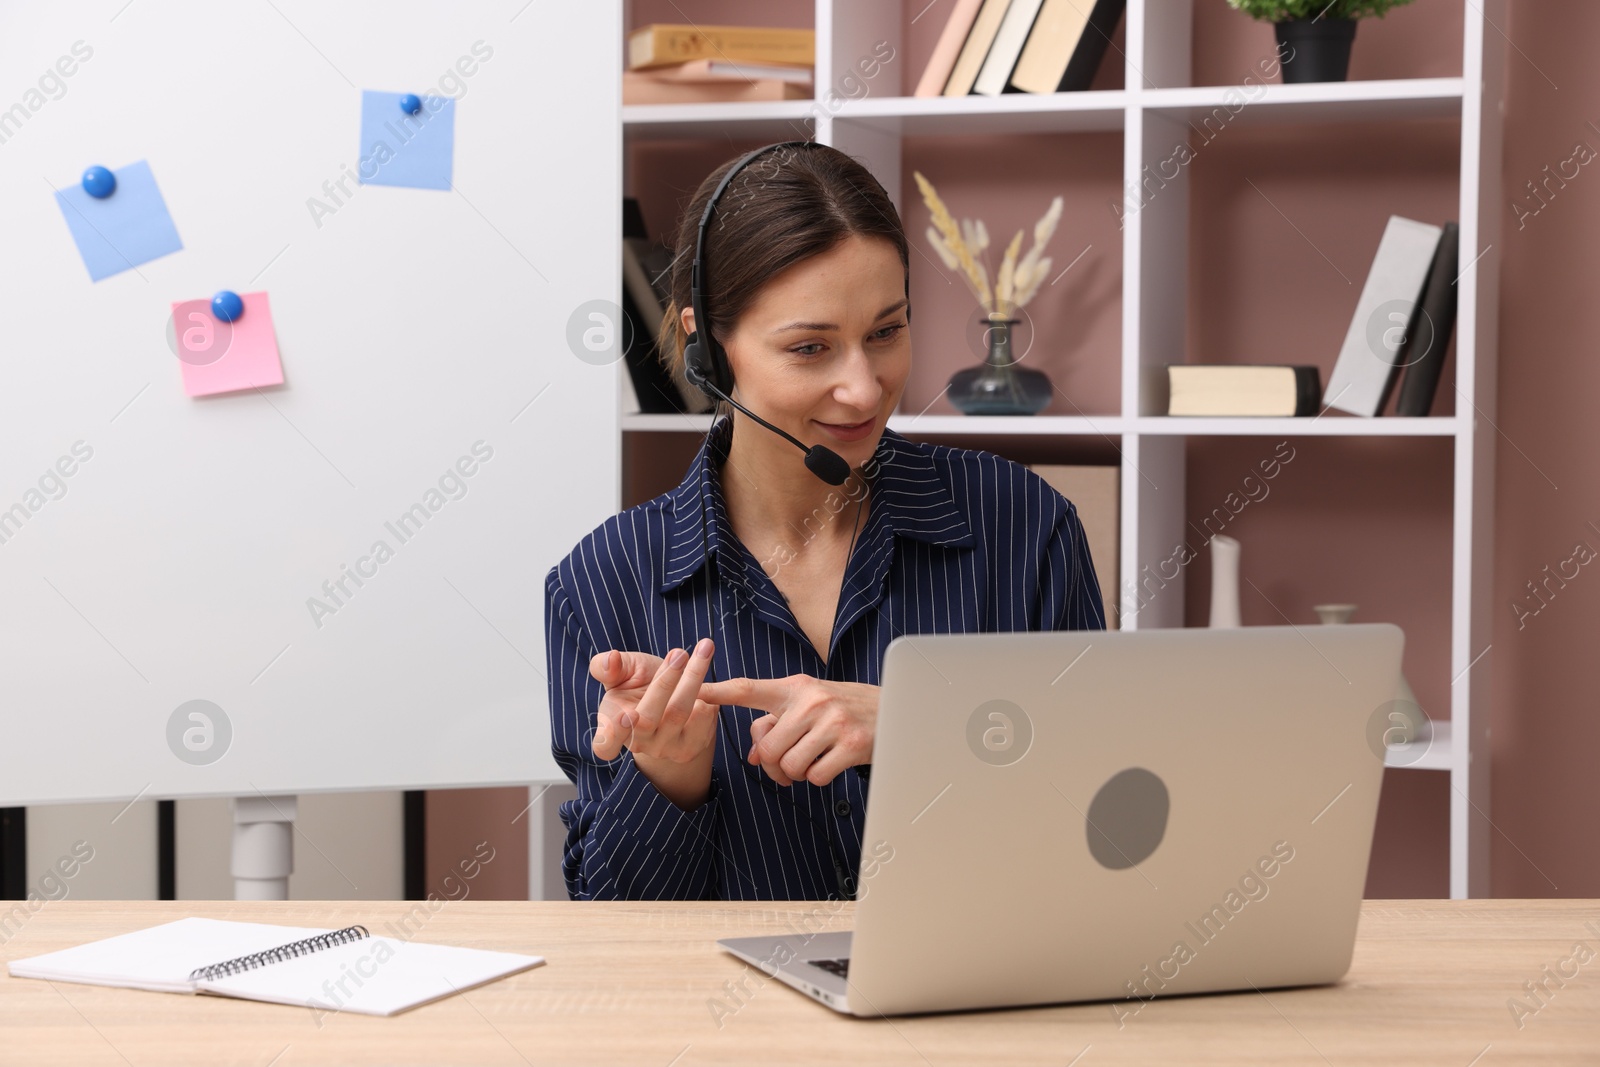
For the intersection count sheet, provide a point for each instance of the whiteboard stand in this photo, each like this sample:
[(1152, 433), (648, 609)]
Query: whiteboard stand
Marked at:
[(263, 847)]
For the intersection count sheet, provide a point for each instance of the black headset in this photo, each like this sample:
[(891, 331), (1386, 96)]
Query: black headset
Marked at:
[(707, 367)]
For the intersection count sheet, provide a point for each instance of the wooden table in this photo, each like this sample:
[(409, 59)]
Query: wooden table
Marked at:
[(627, 983)]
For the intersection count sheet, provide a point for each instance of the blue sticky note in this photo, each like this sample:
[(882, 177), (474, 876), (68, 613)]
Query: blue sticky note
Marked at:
[(402, 149), (127, 228)]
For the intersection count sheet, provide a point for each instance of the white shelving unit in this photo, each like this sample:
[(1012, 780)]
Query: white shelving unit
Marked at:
[(1153, 113)]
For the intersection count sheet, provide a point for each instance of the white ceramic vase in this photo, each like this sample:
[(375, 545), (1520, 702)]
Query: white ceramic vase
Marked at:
[(1224, 582)]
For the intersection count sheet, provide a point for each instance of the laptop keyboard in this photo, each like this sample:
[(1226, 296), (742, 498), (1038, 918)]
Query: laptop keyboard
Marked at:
[(840, 967)]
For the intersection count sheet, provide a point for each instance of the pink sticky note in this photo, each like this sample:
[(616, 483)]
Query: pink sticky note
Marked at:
[(224, 357)]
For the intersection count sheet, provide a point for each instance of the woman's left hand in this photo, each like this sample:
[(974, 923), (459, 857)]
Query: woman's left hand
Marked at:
[(813, 729)]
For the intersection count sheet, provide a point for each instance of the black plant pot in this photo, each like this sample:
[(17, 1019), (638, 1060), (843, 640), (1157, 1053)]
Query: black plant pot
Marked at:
[(1315, 50)]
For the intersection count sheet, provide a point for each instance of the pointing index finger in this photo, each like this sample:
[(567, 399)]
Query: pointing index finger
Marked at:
[(765, 694)]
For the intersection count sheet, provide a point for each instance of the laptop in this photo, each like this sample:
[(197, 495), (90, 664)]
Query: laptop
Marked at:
[(1109, 815)]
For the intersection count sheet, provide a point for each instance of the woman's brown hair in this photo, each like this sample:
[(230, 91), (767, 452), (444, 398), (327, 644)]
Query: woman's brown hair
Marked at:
[(785, 206)]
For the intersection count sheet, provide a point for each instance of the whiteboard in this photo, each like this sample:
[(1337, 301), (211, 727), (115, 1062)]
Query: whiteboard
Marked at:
[(424, 336)]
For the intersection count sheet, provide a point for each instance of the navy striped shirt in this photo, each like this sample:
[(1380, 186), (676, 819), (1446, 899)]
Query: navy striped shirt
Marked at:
[(954, 541)]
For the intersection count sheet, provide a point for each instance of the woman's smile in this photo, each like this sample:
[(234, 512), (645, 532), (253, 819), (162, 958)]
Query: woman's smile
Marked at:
[(854, 431)]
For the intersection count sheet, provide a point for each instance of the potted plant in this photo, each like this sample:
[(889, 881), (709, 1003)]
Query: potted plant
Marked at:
[(1314, 35), (999, 385)]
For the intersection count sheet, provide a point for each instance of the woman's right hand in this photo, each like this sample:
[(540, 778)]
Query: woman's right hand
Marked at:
[(651, 707)]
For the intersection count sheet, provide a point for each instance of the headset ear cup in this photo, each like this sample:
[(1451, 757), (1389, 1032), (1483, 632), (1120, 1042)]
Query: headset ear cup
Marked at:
[(694, 360), (706, 364)]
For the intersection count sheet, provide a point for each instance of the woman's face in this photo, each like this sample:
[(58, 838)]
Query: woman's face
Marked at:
[(825, 348)]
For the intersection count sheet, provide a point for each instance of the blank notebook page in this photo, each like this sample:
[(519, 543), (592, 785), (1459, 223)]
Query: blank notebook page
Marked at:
[(372, 976), (161, 957)]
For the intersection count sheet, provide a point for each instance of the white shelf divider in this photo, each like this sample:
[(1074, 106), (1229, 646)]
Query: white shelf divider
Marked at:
[(779, 119), (1399, 98), (1325, 425), (1105, 425)]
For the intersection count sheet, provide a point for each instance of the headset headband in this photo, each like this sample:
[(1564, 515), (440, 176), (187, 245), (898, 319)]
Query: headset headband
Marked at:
[(696, 296)]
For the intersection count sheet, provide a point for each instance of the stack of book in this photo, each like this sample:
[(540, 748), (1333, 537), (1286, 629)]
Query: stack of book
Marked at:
[(991, 47), (1403, 321), (682, 64)]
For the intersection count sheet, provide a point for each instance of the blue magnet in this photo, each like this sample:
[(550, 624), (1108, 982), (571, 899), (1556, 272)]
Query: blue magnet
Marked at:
[(227, 306), (99, 182), (411, 103)]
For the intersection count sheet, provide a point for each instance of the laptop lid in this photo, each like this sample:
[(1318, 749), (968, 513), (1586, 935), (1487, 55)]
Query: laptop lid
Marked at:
[(1085, 815)]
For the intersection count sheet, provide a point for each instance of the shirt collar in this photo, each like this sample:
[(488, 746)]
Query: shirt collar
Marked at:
[(906, 485)]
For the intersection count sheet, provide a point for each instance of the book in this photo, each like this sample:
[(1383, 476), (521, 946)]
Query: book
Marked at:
[(1242, 389), (976, 48), (655, 257), (321, 969), (642, 88), (1364, 373), (653, 386), (1422, 355), (1067, 45), (1094, 491), (648, 311), (719, 70), (663, 44), (1008, 42), (943, 60)]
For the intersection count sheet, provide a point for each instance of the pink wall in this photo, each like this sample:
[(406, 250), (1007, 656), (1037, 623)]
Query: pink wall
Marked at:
[(477, 844), (1545, 674), (1360, 520)]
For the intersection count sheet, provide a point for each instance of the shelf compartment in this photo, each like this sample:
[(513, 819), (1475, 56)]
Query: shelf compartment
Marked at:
[(1305, 519), (1073, 330)]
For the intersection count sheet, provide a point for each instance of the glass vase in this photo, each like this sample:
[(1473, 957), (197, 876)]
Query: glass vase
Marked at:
[(1000, 385)]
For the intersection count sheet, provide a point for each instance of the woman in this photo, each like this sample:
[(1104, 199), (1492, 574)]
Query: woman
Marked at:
[(714, 652)]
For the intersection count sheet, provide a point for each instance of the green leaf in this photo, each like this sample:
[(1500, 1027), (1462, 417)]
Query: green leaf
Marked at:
[(1280, 10)]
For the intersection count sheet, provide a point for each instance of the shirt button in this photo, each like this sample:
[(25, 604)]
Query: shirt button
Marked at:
[(841, 808)]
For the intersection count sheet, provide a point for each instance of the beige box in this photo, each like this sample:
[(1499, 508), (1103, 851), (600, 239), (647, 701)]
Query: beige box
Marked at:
[(1094, 491)]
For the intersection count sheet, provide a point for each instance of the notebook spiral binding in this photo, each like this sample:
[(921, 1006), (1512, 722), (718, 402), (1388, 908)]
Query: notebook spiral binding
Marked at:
[(303, 947)]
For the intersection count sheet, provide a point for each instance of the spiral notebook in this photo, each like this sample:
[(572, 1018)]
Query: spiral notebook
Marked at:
[(325, 970)]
